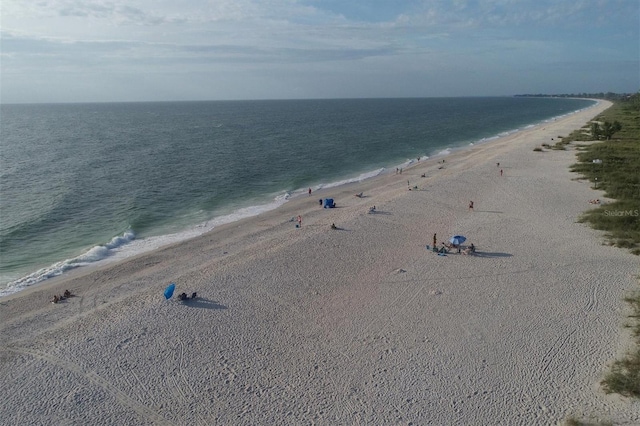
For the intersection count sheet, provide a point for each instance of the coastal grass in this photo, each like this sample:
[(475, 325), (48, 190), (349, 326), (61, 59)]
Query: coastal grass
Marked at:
[(560, 145), (624, 376), (617, 173)]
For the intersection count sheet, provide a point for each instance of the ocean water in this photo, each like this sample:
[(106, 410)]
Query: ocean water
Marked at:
[(86, 183)]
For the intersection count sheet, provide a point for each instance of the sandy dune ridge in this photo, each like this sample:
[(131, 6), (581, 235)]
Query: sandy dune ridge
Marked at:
[(358, 325)]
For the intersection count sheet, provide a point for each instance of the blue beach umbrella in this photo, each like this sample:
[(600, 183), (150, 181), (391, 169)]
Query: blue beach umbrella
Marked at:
[(168, 292), (456, 240)]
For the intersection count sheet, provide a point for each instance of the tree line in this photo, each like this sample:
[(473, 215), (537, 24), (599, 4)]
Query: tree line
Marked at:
[(609, 96)]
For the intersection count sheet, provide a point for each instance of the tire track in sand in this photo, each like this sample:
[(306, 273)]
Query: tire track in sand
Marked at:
[(186, 381), (98, 381), (260, 295), (178, 389)]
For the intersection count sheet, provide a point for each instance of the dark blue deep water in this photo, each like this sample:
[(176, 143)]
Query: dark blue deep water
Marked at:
[(80, 183)]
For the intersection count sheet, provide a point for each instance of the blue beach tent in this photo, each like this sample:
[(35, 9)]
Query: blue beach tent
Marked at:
[(328, 203)]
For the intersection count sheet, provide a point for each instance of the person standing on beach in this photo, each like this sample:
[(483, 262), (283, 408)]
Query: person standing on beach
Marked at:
[(500, 172), (300, 221), (470, 205), (309, 192), (435, 240)]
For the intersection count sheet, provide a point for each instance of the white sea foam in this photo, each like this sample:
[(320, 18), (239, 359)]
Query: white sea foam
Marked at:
[(95, 254), (155, 242), (358, 178)]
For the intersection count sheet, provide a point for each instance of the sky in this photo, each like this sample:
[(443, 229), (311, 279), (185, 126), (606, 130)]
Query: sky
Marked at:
[(161, 50)]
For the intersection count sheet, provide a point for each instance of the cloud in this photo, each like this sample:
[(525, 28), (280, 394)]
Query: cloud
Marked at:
[(452, 44), (467, 14), (119, 13)]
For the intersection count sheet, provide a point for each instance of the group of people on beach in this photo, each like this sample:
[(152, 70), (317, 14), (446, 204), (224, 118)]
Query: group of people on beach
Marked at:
[(446, 247), (183, 296), (57, 298)]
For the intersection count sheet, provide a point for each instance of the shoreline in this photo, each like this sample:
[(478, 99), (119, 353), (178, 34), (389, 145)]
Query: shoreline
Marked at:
[(432, 162), (356, 325), (127, 247)]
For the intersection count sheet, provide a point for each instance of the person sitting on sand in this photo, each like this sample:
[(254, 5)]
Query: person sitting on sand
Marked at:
[(67, 293), (469, 250), (333, 226), (194, 295), (183, 296), (55, 299)]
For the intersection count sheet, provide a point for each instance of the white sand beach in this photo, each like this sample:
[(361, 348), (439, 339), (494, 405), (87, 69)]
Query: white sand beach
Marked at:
[(358, 325)]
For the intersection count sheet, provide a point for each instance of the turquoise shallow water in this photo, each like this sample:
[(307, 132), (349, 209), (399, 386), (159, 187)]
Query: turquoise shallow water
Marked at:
[(81, 183)]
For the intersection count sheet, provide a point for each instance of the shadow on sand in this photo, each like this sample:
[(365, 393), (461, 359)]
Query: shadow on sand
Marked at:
[(491, 254), (337, 228), (201, 302)]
